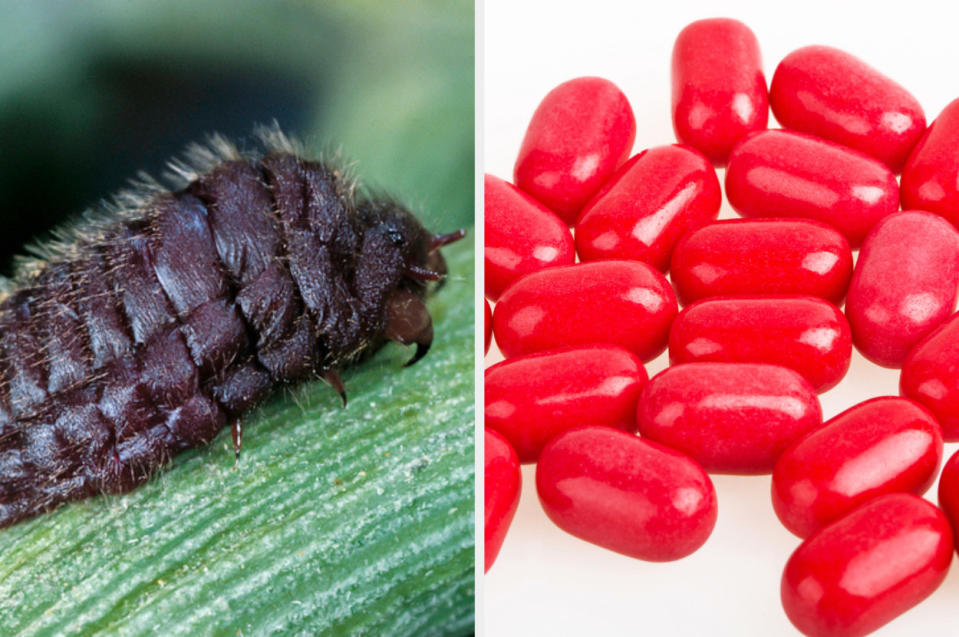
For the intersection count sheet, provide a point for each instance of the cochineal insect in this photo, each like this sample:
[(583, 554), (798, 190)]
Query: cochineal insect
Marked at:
[(152, 323)]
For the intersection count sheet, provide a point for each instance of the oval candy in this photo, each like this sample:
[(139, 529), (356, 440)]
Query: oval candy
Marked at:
[(904, 285), (883, 445), (930, 180), (803, 333), (836, 96), (520, 236), (626, 303), (501, 488), (788, 174), (531, 399), (626, 494), (718, 87), (867, 568), (762, 256), (949, 494), (651, 201), (930, 376), (729, 417), (581, 132)]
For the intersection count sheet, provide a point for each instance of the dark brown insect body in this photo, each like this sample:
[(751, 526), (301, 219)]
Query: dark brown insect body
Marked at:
[(144, 333)]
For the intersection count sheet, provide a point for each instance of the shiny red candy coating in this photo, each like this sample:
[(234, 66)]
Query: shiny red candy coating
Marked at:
[(762, 334), (867, 568), (581, 132), (718, 86), (501, 487), (520, 236), (762, 256), (531, 399), (883, 445), (930, 376), (803, 333), (651, 201), (836, 96), (625, 303), (788, 174), (930, 180), (949, 494), (904, 285), (626, 494), (729, 417), (487, 325)]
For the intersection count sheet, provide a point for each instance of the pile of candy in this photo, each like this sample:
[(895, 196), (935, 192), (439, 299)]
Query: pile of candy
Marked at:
[(761, 332)]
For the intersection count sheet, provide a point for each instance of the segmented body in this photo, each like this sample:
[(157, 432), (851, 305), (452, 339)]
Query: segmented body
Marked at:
[(144, 333)]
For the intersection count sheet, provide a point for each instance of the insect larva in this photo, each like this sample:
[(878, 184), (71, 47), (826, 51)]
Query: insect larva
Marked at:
[(143, 331)]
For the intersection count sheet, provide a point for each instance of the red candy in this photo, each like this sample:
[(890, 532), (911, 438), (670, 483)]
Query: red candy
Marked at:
[(762, 256), (729, 417), (904, 285), (626, 494), (930, 376), (719, 91), (949, 494), (487, 324), (531, 399), (786, 174), (803, 333), (867, 568), (501, 486), (883, 445), (622, 460), (830, 94), (625, 303), (651, 201), (930, 180), (581, 132), (521, 236)]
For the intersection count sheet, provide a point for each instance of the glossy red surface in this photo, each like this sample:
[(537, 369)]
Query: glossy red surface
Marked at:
[(803, 333), (531, 399), (930, 180), (788, 174), (625, 303), (520, 236), (729, 417), (487, 325), (651, 201), (930, 376), (904, 285), (626, 494), (867, 568), (718, 86), (581, 132), (883, 445), (949, 494), (501, 487), (762, 256), (834, 95)]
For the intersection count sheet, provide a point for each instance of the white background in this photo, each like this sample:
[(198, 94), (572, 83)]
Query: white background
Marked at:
[(546, 582)]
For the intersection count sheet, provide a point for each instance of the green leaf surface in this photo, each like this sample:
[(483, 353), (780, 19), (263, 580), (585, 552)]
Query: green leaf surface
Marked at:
[(355, 520)]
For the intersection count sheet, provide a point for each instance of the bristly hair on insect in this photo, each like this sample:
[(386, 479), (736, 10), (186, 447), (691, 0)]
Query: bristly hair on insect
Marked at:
[(158, 318)]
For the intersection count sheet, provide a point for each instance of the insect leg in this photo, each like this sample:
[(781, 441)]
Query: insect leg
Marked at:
[(408, 322), (333, 378)]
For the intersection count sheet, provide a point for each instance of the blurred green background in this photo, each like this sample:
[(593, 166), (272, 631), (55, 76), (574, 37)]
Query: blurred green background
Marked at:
[(336, 521), (91, 92)]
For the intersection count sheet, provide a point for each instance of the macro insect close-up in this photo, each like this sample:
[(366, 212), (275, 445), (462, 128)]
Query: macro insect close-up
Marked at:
[(140, 333), (203, 425)]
